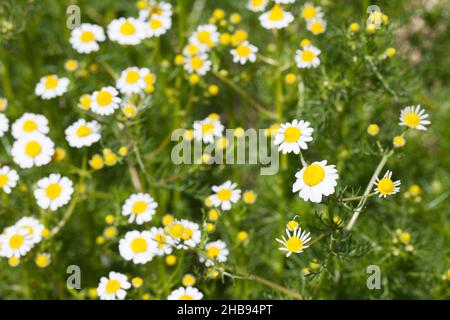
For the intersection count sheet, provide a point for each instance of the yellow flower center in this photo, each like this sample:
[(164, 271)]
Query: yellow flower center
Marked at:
[(257, 3), (204, 37), (127, 29), (317, 27), (155, 24), (196, 63), (112, 286), (132, 76), (29, 126), (176, 230), (186, 297), (292, 134), (161, 240), (224, 194), (87, 36), (412, 120), (277, 13), (33, 149), (16, 241), (154, 10), (313, 175), (243, 51), (385, 186), (53, 191), (104, 98), (294, 244), (51, 82), (83, 131), (139, 207), (309, 12), (187, 234), (213, 252), (3, 180), (308, 56), (139, 245), (192, 49), (85, 102), (207, 128)]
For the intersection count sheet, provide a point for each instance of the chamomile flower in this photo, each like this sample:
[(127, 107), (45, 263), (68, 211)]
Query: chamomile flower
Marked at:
[(163, 240), (295, 242), (292, 137), (157, 25), (225, 195), (315, 180), (3, 104), (215, 252), (160, 8), (85, 101), (85, 38), (276, 18), (207, 130), (140, 207), (192, 49), (126, 31), (308, 57), (137, 247), (29, 123), (316, 26), (33, 227), (186, 234), (414, 118), (105, 101), (206, 36), (51, 86), (8, 178), (114, 287), (32, 150), (4, 124), (244, 52), (185, 293), (386, 186), (53, 192), (15, 242), (309, 11), (199, 64), (83, 133), (256, 5), (131, 81)]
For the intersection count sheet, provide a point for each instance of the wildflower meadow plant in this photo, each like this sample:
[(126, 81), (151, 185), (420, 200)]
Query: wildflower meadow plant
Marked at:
[(257, 149)]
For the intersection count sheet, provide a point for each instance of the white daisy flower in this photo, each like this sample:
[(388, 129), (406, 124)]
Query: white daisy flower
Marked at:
[(244, 52), (32, 150), (3, 104), (188, 293), (206, 36), (186, 234), (309, 11), (293, 136), (131, 80), (85, 38), (138, 247), (225, 194), (15, 242), (140, 207), (386, 186), (33, 227), (4, 124), (51, 86), (316, 26), (105, 101), (85, 101), (114, 287), (8, 178), (157, 25), (163, 240), (83, 133), (308, 57), (160, 8), (126, 31), (207, 129), (53, 192), (29, 123), (276, 18), (192, 49), (414, 118), (296, 242), (199, 64), (284, 1), (215, 251), (256, 5), (315, 180)]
